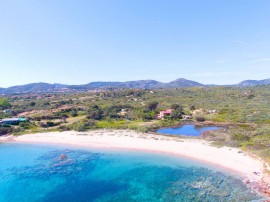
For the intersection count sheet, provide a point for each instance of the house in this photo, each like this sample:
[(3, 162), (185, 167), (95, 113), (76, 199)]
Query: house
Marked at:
[(123, 112), (187, 116), (13, 121), (6, 110), (198, 112), (212, 111), (164, 113)]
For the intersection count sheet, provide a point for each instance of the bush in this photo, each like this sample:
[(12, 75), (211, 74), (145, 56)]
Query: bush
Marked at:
[(147, 116), (79, 126), (25, 125), (50, 124), (177, 114), (64, 128), (177, 107), (4, 103), (73, 113), (5, 130), (200, 118), (240, 137), (32, 104), (151, 106), (95, 113)]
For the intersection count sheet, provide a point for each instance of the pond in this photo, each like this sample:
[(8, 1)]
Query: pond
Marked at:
[(187, 130)]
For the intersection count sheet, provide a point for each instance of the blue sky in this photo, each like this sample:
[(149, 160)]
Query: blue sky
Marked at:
[(76, 42)]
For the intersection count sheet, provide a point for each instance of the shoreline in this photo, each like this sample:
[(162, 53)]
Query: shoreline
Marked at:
[(233, 160)]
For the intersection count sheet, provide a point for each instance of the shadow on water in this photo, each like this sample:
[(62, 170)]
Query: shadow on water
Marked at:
[(83, 190)]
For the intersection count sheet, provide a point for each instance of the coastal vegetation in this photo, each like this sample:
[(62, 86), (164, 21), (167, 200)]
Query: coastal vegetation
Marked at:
[(244, 111)]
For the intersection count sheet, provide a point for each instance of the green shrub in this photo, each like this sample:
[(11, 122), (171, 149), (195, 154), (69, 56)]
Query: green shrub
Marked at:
[(5, 130), (240, 137), (25, 125), (79, 126), (200, 118)]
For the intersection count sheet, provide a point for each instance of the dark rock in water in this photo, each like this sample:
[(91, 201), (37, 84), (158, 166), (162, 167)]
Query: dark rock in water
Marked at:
[(219, 193), (62, 156), (50, 164), (197, 185)]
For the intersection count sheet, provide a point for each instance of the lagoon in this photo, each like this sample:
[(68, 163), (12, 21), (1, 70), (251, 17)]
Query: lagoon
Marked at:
[(187, 130)]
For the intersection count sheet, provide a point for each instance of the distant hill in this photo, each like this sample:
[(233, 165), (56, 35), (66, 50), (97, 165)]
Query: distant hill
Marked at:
[(127, 84), (33, 87), (182, 83), (254, 82), (107, 85), (141, 84)]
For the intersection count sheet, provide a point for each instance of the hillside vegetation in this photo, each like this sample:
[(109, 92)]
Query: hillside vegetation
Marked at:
[(246, 112)]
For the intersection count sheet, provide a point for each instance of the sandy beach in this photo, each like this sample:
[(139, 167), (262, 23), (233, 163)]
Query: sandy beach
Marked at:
[(250, 168)]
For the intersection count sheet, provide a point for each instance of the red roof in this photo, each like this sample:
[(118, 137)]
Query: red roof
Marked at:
[(167, 111)]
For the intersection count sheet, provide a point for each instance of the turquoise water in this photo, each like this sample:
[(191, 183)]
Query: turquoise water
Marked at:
[(188, 130), (37, 173)]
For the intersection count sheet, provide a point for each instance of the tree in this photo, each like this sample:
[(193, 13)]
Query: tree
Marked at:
[(148, 115), (152, 106), (200, 118), (25, 125), (79, 126), (50, 123), (4, 103), (130, 115), (73, 113), (32, 104), (95, 113), (177, 114), (177, 107), (5, 130), (177, 111)]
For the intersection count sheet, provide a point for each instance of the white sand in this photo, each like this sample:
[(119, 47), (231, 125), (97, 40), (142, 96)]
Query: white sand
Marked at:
[(230, 158)]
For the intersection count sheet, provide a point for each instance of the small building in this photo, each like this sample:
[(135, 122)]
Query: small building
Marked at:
[(6, 110), (212, 111), (164, 113), (198, 112), (123, 112), (187, 116), (13, 121)]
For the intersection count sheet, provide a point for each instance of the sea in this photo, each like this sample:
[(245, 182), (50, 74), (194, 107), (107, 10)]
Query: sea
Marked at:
[(54, 173)]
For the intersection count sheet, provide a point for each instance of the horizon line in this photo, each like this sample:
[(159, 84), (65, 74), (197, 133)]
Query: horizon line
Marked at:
[(131, 81)]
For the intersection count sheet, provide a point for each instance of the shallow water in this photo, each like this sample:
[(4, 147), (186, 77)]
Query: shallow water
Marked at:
[(187, 130), (36, 173)]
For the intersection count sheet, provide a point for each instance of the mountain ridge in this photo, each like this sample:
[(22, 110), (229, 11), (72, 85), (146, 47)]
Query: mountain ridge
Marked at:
[(106, 85), (254, 82)]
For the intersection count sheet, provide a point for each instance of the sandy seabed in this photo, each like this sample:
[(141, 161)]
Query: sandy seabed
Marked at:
[(252, 169)]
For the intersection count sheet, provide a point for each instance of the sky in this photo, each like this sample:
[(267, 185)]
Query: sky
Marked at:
[(77, 42)]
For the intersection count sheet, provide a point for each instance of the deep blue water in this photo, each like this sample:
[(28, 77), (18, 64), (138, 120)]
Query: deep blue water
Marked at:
[(33, 173), (188, 130)]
